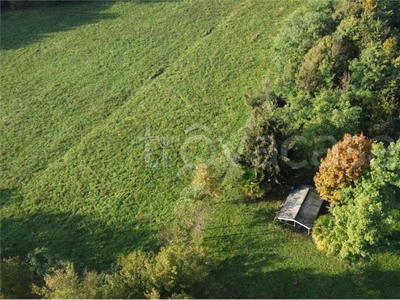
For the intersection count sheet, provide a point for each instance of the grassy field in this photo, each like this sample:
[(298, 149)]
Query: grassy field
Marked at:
[(104, 109)]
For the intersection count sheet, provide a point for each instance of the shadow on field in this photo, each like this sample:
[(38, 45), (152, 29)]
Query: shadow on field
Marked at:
[(243, 277), (8, 196), (74, 238), (25, 26), (267, 274), (153, 1)]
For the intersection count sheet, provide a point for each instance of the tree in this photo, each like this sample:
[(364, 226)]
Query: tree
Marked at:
[(324, 65), (259, 155), (130, 278), (363, 222), (40, 261), (385, 165), (330, 112), (300, 33), (65, 283), (178, 269), (339, 56), (375, 86), (15, 278), (343, 166)]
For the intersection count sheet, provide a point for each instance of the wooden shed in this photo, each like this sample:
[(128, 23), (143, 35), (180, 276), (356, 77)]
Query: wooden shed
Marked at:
[(301, 207)]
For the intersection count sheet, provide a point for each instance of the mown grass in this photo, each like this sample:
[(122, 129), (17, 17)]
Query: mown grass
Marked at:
[(260, 258), (82, 85)]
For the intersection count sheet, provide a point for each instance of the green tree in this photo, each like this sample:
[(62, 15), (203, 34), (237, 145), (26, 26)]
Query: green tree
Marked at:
[(64, 282), (180, 268), (15, 278), (130, 278), (300, 33), (259, 155), (363, 222), (40, 261), (385, 165), (375, 86), (339, 55), (328, 113)]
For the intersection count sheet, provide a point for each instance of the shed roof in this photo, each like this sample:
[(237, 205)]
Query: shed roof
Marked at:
[(302, 206)]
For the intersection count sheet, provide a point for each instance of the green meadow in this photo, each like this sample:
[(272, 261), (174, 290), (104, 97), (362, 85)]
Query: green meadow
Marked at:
[(105, 109)]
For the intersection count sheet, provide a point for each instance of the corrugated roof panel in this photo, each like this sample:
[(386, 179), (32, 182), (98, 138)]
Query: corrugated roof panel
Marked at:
[(309, 210), (293, 203)]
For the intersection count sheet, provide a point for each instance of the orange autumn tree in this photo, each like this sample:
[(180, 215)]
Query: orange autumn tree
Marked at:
[(343, 166)]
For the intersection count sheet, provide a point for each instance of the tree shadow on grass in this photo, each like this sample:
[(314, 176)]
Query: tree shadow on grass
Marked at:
[(154, 1), (75, 238), (265, 274), (247, 277), (23, 27), (8, 196)]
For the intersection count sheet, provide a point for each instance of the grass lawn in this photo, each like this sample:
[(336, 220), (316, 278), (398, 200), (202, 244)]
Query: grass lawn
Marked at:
[(83, 86)]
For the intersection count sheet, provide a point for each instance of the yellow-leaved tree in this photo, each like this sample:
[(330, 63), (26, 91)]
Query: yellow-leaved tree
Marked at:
[(343, 166)]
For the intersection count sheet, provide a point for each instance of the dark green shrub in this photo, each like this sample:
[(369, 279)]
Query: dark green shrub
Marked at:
[(252, 185), (15, 279), (259, 155), (40, 261)]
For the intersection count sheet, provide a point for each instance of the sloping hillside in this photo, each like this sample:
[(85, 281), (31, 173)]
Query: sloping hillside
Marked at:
[(106, 107)]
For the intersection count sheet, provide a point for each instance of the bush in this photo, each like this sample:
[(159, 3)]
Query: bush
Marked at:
[(180, 268), (321, 229), (130, 279), (204, 182), (342, 167), (252, 185), (259, 155), (40, 261), (15, 279), (64, 282)]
